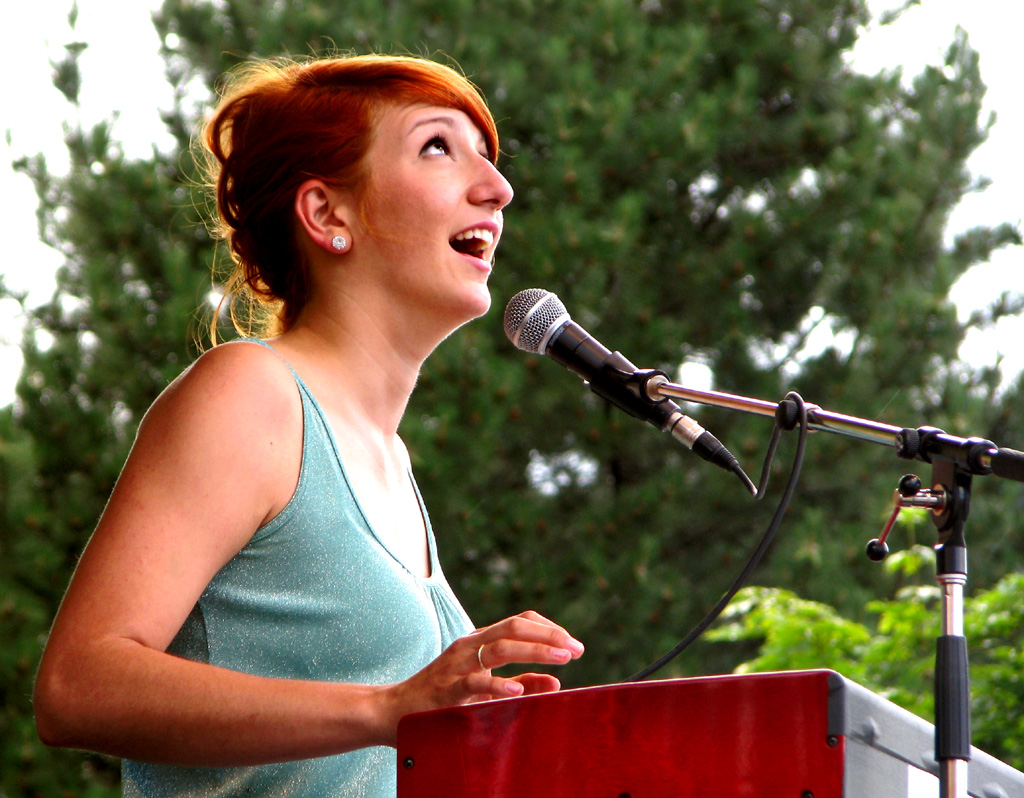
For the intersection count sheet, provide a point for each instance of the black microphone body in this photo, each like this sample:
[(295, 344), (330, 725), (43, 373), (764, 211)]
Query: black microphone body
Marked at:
[(537, 321), (608, 374)]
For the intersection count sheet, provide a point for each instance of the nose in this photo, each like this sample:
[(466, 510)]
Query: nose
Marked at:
[(491, 188)]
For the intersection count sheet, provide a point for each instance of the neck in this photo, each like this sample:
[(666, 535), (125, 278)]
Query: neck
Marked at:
[(360, 358)]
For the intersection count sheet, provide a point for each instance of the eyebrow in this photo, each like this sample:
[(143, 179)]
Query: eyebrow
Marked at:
[(434, 120), (448, 122)]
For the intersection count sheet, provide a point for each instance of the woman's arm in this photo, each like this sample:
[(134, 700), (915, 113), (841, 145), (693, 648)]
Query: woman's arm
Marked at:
[(217, 456)]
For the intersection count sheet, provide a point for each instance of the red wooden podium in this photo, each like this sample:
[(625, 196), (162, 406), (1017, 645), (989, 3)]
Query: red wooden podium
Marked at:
[(801, 734)]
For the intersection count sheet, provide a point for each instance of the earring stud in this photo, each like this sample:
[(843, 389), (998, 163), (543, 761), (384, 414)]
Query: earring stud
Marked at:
[(339, 243)]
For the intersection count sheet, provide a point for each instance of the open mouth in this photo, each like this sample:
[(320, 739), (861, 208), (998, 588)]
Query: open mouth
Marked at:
[(472, 242)]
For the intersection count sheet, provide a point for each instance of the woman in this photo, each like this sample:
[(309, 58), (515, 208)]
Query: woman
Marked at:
[(261, 601)]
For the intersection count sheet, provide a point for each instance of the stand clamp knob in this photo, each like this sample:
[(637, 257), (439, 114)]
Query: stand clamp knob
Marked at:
[(907, 494)]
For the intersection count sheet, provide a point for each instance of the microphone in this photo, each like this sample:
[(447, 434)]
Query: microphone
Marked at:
[(536, 321)]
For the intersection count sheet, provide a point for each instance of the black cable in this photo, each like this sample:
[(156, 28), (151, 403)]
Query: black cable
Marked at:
[(766, 540)]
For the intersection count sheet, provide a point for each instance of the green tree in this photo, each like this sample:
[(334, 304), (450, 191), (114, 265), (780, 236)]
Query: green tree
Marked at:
[(893, 654), (697, 181)]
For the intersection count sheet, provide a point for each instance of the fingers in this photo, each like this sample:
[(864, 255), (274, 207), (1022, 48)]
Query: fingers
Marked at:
[(483, 687), (463, 672), (529, 615), (528, 637), (506, 651), (536, 617), (535, 683)]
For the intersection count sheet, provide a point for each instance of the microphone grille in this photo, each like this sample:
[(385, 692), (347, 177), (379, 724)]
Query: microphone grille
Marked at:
[(529, 317)]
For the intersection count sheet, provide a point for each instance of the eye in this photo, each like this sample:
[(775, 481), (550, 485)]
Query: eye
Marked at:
[(438, 145)]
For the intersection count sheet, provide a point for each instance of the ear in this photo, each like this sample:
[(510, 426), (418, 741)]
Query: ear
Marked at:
[(322, 212)]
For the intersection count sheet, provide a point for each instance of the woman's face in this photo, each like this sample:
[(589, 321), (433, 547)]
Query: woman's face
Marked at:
[(434, 209)]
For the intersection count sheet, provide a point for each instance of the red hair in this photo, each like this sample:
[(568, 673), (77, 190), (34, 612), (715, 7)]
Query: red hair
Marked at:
[(281, 123)]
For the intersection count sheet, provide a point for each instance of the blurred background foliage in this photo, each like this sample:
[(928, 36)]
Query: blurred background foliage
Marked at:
[(706, 183)]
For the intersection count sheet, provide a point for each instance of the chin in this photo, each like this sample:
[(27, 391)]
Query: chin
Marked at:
[(476, 301), (484, 303), (469, 312), (473, 306)]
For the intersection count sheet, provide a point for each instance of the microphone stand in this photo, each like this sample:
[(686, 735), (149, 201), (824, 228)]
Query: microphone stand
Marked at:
[(954, 462)]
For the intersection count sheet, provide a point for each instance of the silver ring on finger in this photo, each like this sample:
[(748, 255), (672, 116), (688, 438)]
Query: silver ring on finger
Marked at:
[(480, 658)]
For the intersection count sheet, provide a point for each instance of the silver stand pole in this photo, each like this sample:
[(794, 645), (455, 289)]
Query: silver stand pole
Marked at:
[(953, 769)]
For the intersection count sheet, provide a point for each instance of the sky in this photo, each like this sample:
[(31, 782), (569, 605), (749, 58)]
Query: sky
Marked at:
[(123, 76)]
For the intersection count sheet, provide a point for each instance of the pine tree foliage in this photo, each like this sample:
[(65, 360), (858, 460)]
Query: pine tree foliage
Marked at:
[(706, 182)]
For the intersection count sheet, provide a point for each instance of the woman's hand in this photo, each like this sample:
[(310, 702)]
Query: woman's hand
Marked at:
[(463, 673)]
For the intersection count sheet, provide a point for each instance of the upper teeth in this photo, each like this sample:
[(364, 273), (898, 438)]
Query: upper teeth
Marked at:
[(477, 232)]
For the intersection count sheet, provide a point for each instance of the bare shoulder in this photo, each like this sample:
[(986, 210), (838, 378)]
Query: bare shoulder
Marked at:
[(237, 368), (234, 413), (234, 384), (216, 456)]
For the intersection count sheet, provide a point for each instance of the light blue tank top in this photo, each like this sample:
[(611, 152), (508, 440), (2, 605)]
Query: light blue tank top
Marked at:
[(315, 594)]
